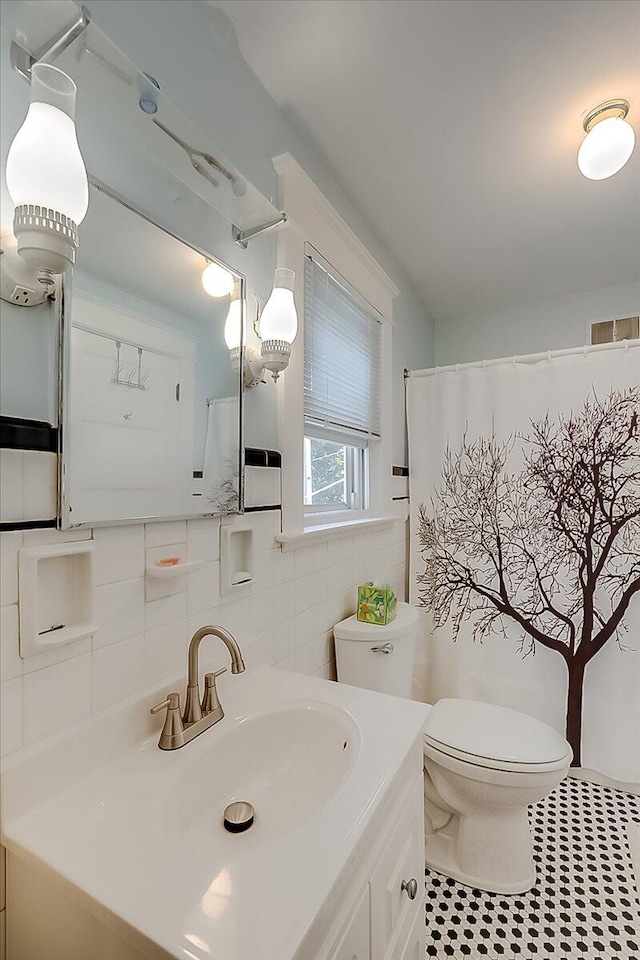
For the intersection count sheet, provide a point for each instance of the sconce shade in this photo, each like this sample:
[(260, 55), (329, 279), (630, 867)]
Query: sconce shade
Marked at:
[(217, 281), (46, 176), (44, 163), (279, 320), (233, 325)]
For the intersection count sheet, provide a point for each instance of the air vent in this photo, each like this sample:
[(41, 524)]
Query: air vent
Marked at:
[(610, 331)]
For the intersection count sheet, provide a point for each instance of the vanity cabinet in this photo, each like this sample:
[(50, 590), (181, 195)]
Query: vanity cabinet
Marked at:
[(355, 942), (383, 917)]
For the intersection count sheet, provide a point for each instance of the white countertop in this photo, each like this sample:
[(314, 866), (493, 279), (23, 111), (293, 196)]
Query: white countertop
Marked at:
[(115, 817)]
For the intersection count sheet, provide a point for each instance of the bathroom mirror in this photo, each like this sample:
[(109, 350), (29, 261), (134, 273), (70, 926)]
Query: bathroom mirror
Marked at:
[(151, 395)]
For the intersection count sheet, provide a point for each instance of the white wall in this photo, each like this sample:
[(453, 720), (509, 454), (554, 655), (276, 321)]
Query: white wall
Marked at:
[(545, 324), (28, 342), (285, 618)]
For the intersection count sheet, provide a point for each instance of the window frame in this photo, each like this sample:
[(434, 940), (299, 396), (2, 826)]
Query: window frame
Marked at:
[(315, 225)]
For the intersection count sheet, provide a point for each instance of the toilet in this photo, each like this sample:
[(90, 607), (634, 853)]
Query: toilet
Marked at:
[(483, 764)]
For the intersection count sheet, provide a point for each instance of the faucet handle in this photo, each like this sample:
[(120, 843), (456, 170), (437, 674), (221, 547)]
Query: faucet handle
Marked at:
[(172, 701), (172, 735), (210, 700)]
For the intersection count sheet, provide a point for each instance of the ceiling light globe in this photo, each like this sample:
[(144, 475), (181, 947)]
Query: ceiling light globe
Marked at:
[(233, 325), (217, 281), (44, 163), (606, 148), (279, 320)]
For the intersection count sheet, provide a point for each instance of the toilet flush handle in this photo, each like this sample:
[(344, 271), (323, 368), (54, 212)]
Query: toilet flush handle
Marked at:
[(384, 648)]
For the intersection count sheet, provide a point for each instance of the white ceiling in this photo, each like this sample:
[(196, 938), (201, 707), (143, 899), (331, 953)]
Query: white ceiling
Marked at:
[(454, 127)]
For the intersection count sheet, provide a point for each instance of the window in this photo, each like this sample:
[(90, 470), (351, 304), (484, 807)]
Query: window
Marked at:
[(342, 373), (334, 475)]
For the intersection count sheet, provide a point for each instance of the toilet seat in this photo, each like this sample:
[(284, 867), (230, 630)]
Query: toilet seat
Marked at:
[(495, 738)]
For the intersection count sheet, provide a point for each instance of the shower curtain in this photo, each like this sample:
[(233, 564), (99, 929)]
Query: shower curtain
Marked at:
[(221, 455), (525, 542)]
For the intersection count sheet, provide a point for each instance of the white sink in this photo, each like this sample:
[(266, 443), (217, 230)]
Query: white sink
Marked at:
[(137, 831), (288, 763)]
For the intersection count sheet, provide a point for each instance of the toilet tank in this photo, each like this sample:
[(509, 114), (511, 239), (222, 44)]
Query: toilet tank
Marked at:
[(378, 657)]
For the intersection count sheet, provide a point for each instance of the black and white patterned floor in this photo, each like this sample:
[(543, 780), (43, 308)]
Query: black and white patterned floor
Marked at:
[(585, 902)]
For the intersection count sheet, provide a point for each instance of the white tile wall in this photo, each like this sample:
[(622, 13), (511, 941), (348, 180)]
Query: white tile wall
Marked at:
[(28, 485), (284, 618)]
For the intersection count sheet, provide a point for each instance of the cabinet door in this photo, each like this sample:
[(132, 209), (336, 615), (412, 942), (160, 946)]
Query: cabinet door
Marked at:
[(415, 946), (401, 866), (354, 943)]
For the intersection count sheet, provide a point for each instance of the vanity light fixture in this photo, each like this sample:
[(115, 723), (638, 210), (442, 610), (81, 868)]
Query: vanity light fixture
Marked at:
[(46, 176), (609, 142), (277, 329), (279, 323), (217, 281)]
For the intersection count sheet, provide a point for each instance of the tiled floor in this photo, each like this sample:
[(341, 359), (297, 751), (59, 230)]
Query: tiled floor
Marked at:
[(585, 903)]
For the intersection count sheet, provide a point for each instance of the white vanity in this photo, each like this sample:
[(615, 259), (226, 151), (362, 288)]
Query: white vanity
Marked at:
[(116, 849)]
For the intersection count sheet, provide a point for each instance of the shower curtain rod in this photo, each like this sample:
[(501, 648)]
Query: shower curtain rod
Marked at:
[(524, 358)]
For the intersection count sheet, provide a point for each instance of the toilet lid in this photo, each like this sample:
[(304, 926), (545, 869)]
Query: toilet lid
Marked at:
[(491, 735)]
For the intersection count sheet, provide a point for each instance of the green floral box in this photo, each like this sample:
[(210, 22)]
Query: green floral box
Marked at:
[(376, 604)]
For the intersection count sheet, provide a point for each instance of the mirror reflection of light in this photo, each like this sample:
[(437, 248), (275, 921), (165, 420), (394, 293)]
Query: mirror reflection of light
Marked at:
[(197, 942), (217, 281), (214, 902), (233, 325)]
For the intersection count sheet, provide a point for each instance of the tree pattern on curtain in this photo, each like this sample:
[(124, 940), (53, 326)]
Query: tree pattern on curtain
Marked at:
[(553, 547)]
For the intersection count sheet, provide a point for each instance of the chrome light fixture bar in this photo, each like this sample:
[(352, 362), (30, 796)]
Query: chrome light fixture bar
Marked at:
[(22, 61), (242, 237)]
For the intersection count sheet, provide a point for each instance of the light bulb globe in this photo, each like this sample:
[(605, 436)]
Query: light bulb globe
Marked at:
[(45, 173), (606, 148), (279, 319), (217, 281)]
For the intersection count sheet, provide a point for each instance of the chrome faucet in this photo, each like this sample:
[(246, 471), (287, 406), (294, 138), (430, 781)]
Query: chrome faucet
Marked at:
[(198, 715)]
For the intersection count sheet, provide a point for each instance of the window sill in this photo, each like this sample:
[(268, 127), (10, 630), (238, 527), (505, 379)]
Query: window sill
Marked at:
[(323, 532)]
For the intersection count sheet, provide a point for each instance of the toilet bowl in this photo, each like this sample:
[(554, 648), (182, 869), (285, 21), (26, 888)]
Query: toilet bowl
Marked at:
[(483, 766)]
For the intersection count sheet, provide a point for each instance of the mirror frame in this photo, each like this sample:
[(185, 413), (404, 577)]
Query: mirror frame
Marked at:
[(63, 520)]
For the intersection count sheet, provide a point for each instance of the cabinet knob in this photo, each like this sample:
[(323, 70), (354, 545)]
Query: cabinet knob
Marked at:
[(410, 887)]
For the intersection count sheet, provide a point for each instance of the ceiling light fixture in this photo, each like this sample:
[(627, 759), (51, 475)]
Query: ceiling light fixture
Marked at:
[(609, 142), (217, 281), (46, 176)]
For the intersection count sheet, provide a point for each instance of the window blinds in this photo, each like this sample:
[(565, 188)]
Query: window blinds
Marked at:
[(342, 360)]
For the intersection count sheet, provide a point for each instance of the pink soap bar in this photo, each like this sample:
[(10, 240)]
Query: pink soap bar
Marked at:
[(169, 562)]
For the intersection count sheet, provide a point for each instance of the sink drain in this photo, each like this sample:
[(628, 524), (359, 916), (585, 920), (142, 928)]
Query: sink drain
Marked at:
[(238, 816)]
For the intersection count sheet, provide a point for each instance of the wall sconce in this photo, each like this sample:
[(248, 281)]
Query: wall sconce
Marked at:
[(609, 142), (46, 176), (217, 281), (277, 328)]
